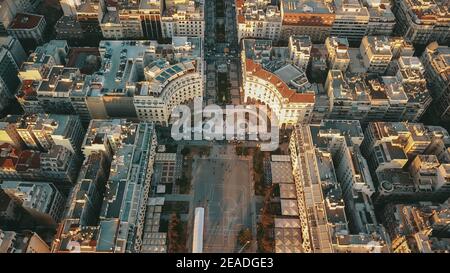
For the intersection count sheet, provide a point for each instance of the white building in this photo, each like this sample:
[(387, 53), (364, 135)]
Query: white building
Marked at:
[(148, 80), (337, 51), (351, 20), (436, 61), (300, 50), (334, 186), (166, 87), (382, 20), (265, 87), (184, 19), (376, 53), (423, 21), (270, 76), (37, 197), (258, 19)]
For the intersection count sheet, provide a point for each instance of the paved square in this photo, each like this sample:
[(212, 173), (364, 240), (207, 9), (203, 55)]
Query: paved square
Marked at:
[(222, 184)]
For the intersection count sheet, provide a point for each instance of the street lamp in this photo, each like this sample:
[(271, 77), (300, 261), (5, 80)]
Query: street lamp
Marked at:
[(242, 248)]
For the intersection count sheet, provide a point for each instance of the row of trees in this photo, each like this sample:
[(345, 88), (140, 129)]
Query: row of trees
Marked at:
[(176, 235), (258, 171), (266, 225)]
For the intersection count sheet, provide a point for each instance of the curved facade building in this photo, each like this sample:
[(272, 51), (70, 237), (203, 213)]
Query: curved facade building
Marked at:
[(262, 86), (166, 87)]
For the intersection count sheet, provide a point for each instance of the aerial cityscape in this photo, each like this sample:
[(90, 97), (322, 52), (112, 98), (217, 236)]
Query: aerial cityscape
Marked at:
[(224, 126)]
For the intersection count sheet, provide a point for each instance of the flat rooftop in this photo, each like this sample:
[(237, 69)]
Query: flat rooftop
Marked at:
[(289, 73), (350, 129), (427, 11), (26, 21), (118, 58), (88, 6), (84, 58), (305, 6), (284, 90)]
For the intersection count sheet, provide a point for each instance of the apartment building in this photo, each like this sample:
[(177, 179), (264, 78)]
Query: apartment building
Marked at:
[(258, 19), (120, 223), (28, 26), (169, 85), (436, 61), (376, 53), (300, 51), (337, 53), (418, 228), (42, 131), (382, 19), (400, 97), (275, 82), (423, 22), (183, 19), (404, 166), (307, 17), (334, 189), (351, 20), (42, 199), (9, 82)]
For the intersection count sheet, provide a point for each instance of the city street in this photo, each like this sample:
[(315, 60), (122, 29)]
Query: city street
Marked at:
[(221, 54)]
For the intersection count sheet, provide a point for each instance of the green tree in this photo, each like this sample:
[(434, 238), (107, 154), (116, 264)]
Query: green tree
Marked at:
[(244, 236), (175, 234), (184, 184)]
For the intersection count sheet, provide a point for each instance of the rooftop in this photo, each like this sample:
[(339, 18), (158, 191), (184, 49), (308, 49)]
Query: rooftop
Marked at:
[(122, 61), (26, 21), (347, 8), (306, 6), (439, 56), (379, 45), (107, 235), (350, 129), (281, 172), (159, 73), (428, 11), (379, 10), (190, 10), (256, 11), (339, 46), (284, 90), (35, 195), (116, 131)]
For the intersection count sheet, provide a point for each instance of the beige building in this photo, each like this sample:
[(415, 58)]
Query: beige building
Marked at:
[(258, 19), (342, 217), (131, 19), (265, 87), (183, 18), (376, 53), (436, 61), (337, 51), (382, 19), (24, 242), (275, 82), (307, 17), (351, 20), (422, 21), (300, 51)]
